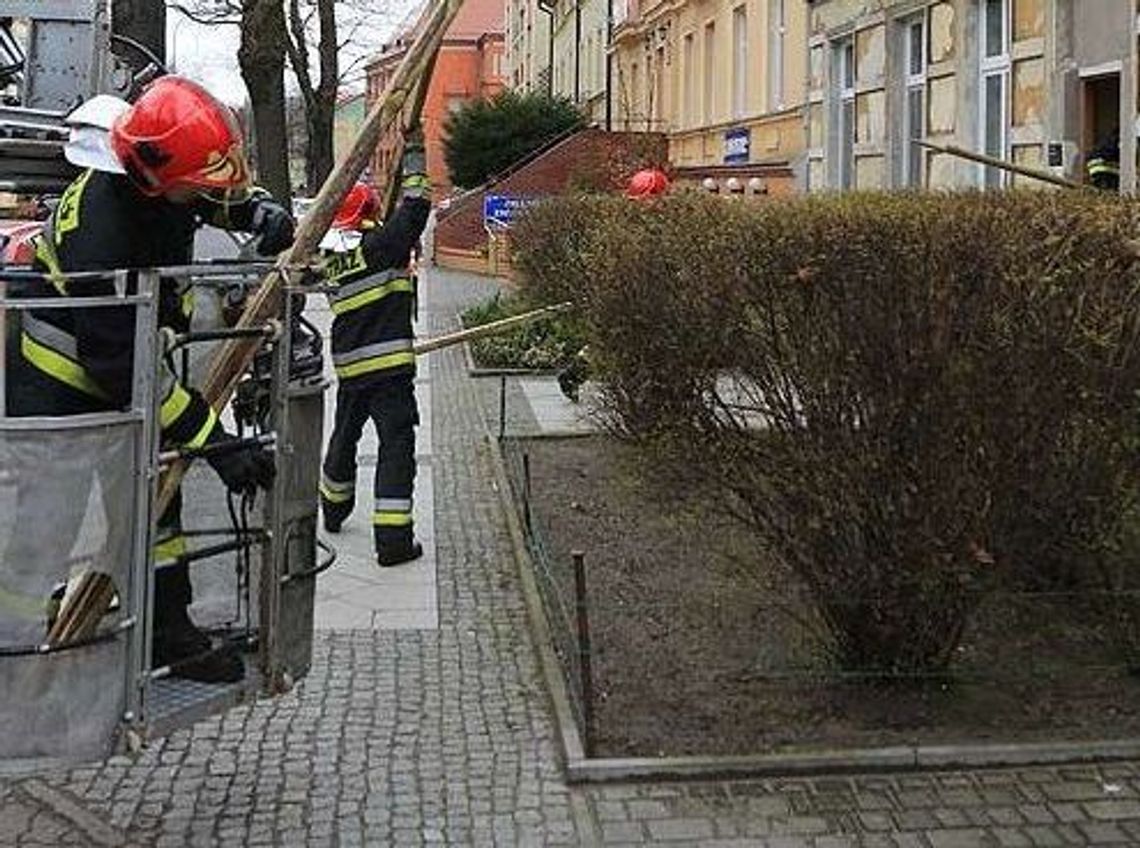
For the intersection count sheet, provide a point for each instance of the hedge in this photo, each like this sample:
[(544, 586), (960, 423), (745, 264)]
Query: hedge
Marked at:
[(913, 400)]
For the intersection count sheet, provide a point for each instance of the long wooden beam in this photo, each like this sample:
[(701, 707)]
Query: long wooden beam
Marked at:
[(81, 614), (234, 357), (995, 162)]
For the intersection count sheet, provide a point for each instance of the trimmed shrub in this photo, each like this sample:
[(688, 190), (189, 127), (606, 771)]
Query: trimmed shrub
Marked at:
[(542, 345), (911, 399)]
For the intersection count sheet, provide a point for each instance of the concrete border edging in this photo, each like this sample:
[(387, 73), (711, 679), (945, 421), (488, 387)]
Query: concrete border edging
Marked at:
[(567, 729), (583, 769)]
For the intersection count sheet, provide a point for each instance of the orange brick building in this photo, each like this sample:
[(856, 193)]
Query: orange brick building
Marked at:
[(469, 67)]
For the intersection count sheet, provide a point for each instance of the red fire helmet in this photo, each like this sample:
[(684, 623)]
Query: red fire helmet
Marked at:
[(359, 205), (177, 136), (648, 182)]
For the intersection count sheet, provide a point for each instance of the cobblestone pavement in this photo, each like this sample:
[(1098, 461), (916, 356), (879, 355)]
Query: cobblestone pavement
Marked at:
[(443, 737)]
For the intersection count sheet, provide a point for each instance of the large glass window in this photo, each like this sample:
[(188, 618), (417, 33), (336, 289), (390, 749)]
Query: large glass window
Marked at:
[(845, 123), (776, 33), (688, 88), (739, 62), (708, 104), (914, 114), (994, 95)]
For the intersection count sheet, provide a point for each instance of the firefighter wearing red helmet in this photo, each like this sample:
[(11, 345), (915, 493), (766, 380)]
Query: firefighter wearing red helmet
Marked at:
[(646, 183), (375, 365), (157, 170), (359, 209)]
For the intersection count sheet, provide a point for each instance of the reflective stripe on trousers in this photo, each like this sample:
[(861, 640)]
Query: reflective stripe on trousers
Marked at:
[(336, 491), (392, 512)]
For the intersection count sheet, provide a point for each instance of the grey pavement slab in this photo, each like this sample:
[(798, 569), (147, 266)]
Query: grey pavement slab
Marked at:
[(554, 413), (418, 737)]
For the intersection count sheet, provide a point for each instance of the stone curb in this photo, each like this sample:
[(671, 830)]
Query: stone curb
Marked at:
[(583, 769)]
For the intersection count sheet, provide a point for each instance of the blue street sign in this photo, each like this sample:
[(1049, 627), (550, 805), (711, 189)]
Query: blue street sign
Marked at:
[(737, 142), (501, 210)]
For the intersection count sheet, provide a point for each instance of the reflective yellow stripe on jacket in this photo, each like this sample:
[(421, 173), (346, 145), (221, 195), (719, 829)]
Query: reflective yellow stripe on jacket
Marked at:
[(358, 294), (54, 351)]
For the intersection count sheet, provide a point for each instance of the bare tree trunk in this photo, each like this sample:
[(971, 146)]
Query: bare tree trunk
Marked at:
[(319, 98), (145, 22), (319, 152), (262, 60)]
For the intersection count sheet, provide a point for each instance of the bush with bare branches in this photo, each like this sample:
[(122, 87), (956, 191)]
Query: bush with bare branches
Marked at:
[(911, 399)]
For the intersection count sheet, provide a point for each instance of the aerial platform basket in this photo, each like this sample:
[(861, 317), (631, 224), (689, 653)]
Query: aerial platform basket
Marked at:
[(77, 510)]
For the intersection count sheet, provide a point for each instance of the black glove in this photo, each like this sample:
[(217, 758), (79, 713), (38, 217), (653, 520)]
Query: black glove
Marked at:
[(241, 469), (274, 224), (414, 136)]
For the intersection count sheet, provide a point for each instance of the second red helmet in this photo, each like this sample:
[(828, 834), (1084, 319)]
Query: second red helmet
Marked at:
[(359, 205), (648, 182)]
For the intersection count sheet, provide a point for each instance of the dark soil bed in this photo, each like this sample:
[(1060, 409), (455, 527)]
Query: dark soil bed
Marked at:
[(701, 646)]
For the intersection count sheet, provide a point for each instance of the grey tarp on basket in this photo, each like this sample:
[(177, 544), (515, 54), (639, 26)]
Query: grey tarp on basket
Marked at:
[(67, 506)]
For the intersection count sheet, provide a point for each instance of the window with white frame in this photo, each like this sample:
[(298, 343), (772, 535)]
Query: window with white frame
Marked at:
[(688, 88), (739, 61), (914, 109), (777, 28), (659, 89), (708, 104), (994, 95), (844, 145)]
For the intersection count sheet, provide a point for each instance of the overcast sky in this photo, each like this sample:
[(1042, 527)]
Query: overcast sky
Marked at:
[(209, 53)]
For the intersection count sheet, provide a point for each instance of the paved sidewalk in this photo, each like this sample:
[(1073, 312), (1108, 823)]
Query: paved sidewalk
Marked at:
[(355, 594), (411, 737)]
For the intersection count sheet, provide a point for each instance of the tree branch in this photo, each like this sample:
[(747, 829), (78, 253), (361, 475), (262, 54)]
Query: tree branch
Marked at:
[(228, 15), (296, 46)]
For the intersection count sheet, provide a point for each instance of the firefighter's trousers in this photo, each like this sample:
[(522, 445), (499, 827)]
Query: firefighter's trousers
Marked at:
[(391, 405), (50, 510)]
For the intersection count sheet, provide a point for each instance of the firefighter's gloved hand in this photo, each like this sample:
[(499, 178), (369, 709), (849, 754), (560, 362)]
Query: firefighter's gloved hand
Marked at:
[(243, 469), (414, 136), (274, 224)]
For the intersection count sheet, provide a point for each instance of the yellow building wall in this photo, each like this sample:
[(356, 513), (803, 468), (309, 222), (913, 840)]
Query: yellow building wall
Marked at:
[(669, 76)]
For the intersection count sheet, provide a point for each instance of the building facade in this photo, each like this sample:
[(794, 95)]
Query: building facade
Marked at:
[(723, 79), (469, 66), (529, 47), (579, 48), (1036, 82)]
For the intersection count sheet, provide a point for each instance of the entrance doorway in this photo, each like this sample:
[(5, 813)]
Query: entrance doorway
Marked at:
[(1100, 113)]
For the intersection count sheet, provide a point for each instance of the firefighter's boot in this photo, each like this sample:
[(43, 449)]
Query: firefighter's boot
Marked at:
[(179, 644), (396, 547)]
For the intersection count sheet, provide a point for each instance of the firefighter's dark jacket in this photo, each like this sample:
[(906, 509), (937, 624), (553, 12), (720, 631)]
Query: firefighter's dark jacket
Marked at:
[(373, 300), (102, 223)]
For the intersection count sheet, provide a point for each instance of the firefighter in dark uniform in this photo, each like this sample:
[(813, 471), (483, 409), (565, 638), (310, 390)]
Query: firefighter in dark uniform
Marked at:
[(181, 166), (1103, 164), (374, 361)]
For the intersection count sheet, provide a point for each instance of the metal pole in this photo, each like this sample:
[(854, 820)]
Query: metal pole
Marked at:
[(584, 651), (526, 494), (274, 553), (145, 402), (502, 406), (3, 350)]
